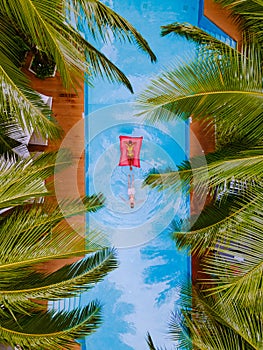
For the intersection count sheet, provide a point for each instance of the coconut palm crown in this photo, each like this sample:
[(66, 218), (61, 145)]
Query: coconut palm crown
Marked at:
[(51, 27), (223, 87), (34, 232)]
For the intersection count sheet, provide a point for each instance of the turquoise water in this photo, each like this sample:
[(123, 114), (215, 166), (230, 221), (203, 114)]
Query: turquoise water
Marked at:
[(140, 295), (163, 147)]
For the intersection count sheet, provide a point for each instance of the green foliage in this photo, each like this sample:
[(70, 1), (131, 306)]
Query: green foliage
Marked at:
[(44, 25), (33, 232), (223, 309), (150, 343), (50, 330), (208, 323)]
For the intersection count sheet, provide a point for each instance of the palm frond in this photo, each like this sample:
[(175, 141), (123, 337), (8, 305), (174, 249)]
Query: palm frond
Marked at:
[(65, 44), (179, 330), (22, 105), (168, 179), (51, 25), (11, 141), (217, 220), (204, 319), (232, 163), (236, 266), (222, 86), (100, 65), (19, 103), (96, 63), (229, 243), (19, 286), (102, 22), (247, 14), (40, 233), (195, 34), (12, 46), (24, 179), (247, 167), (150, 343), (51, 330)]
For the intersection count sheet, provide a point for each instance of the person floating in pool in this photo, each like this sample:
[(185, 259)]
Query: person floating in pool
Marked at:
[(131, 193), (130, 152), (131, 190)]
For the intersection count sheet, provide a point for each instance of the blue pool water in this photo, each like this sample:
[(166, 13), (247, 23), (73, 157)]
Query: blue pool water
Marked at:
[(140, 295), (163, 147)]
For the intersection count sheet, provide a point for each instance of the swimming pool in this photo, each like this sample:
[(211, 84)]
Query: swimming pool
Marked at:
[(140, 295)]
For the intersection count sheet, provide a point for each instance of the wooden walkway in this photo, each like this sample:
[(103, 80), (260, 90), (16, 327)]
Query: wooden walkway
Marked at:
[(68, 110)]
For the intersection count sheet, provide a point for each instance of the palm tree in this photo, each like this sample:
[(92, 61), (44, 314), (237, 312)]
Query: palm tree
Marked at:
[(45, 25), (33, 232), (222, 86)]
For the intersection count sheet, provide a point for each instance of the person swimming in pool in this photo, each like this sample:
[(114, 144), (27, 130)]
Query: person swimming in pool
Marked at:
[(131, 193), (131, 190), (130, 152)]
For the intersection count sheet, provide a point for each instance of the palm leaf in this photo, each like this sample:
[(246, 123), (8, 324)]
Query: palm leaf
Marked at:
[(51, 40), (100, 65), (247, 14), (66, 46), (19, 286), (39, 233), (209, 225), (162, 181), (101, 20), (150, 343), (12, 46), (222, 86), (22, 105), (205, 319), (247, 167), (195, 34), (19, 103), (229, 243), (236, 266), (95, 63), (240, 279), (50, 330), (24, 179), (215, 170), (11, 141), (217, 222)]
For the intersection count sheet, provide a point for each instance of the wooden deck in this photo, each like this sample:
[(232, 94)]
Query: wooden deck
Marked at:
[(68, 108)]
